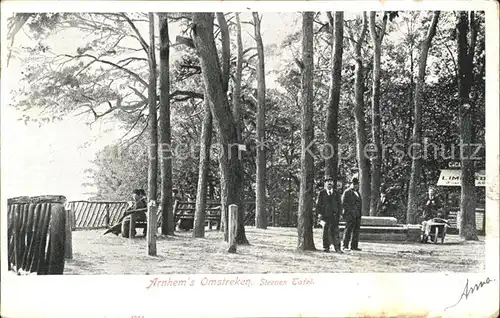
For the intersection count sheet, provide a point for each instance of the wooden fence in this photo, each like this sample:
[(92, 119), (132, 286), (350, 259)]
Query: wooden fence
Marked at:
[(102, 214), (36, 234), (98, 214), (94, 215)]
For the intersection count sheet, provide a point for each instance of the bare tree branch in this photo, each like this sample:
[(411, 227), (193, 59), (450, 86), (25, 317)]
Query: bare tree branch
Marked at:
[(245, 51), (133, 139), (14, 27), (134, 75), (143, 43), (136, 91), (133, 126), (132, 59)]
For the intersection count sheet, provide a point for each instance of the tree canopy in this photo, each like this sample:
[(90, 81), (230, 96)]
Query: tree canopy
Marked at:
[(101, 73)]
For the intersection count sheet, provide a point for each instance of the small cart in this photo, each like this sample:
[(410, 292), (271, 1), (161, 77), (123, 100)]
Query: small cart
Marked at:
[(436, 230)]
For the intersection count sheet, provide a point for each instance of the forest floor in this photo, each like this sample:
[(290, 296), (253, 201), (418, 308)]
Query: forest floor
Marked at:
[(271, 251)]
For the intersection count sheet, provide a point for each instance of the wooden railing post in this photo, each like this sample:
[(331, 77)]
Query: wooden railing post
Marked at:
[(152, 228), (15, 216), (68, 243), (107, 215), (57, 240), (272, 217), (484, 220), (174, 211), (73, 216), (233, 227)]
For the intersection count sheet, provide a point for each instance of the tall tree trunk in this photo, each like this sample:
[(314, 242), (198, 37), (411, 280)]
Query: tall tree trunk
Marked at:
[(260, 197), (359, 115), (376, 130), (237, 81), (411, 212), (231, 168), (305, 212), (225, 56), (466, 45), (201, 191), (405, 183), (153, 147), (167, 226), (332, 113), (240, 237)]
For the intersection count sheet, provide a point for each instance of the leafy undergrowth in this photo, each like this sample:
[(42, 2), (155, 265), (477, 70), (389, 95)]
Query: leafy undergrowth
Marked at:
[(271, 251)]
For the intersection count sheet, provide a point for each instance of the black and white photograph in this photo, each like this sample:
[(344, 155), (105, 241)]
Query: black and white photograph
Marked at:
[(236, 146)]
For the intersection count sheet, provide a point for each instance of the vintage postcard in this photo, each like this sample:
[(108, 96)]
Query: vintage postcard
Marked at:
[(250, 159)]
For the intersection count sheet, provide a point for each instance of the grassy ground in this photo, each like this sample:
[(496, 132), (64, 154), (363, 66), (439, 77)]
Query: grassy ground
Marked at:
[(271, 251)]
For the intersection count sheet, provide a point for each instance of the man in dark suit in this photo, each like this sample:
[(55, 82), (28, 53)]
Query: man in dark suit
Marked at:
[(139, 196), (328, 208), (123, 224), (351, 206)]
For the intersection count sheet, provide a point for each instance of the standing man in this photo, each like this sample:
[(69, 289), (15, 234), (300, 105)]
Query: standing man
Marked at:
[(351, 206), (328, 208)]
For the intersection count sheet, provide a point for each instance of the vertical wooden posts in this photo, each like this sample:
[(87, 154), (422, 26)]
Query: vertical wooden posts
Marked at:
[(233, 226), (107, 215), (68, 244), (484, 220), (37, 234), (54, 261), (152, 227), (16, 239), (273, 217), (174, 212), (73, 217)]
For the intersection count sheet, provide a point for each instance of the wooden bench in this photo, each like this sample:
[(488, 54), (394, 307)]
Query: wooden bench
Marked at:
[(380, 232), (384, 229), (135, 224), (184, 210), (378, 229)]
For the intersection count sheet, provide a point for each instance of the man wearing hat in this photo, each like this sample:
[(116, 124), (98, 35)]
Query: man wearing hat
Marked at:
[(139, 196), (328, 208), (123, 224), (351, 206)]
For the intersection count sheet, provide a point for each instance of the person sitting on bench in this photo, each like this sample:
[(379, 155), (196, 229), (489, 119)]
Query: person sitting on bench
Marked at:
[(139, 196), (123, 223), (432, 209)]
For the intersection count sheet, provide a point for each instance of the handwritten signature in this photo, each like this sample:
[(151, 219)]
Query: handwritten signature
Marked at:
[(468, 291)]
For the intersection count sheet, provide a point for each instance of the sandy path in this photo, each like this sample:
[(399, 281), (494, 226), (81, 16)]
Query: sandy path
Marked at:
[(271, 251)]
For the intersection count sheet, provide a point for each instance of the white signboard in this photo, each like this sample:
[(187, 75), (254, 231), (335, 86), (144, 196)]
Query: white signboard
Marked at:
[(452, 178)]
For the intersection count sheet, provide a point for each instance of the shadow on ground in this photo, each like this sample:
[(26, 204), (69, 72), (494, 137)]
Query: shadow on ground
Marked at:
[(270, 251)]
